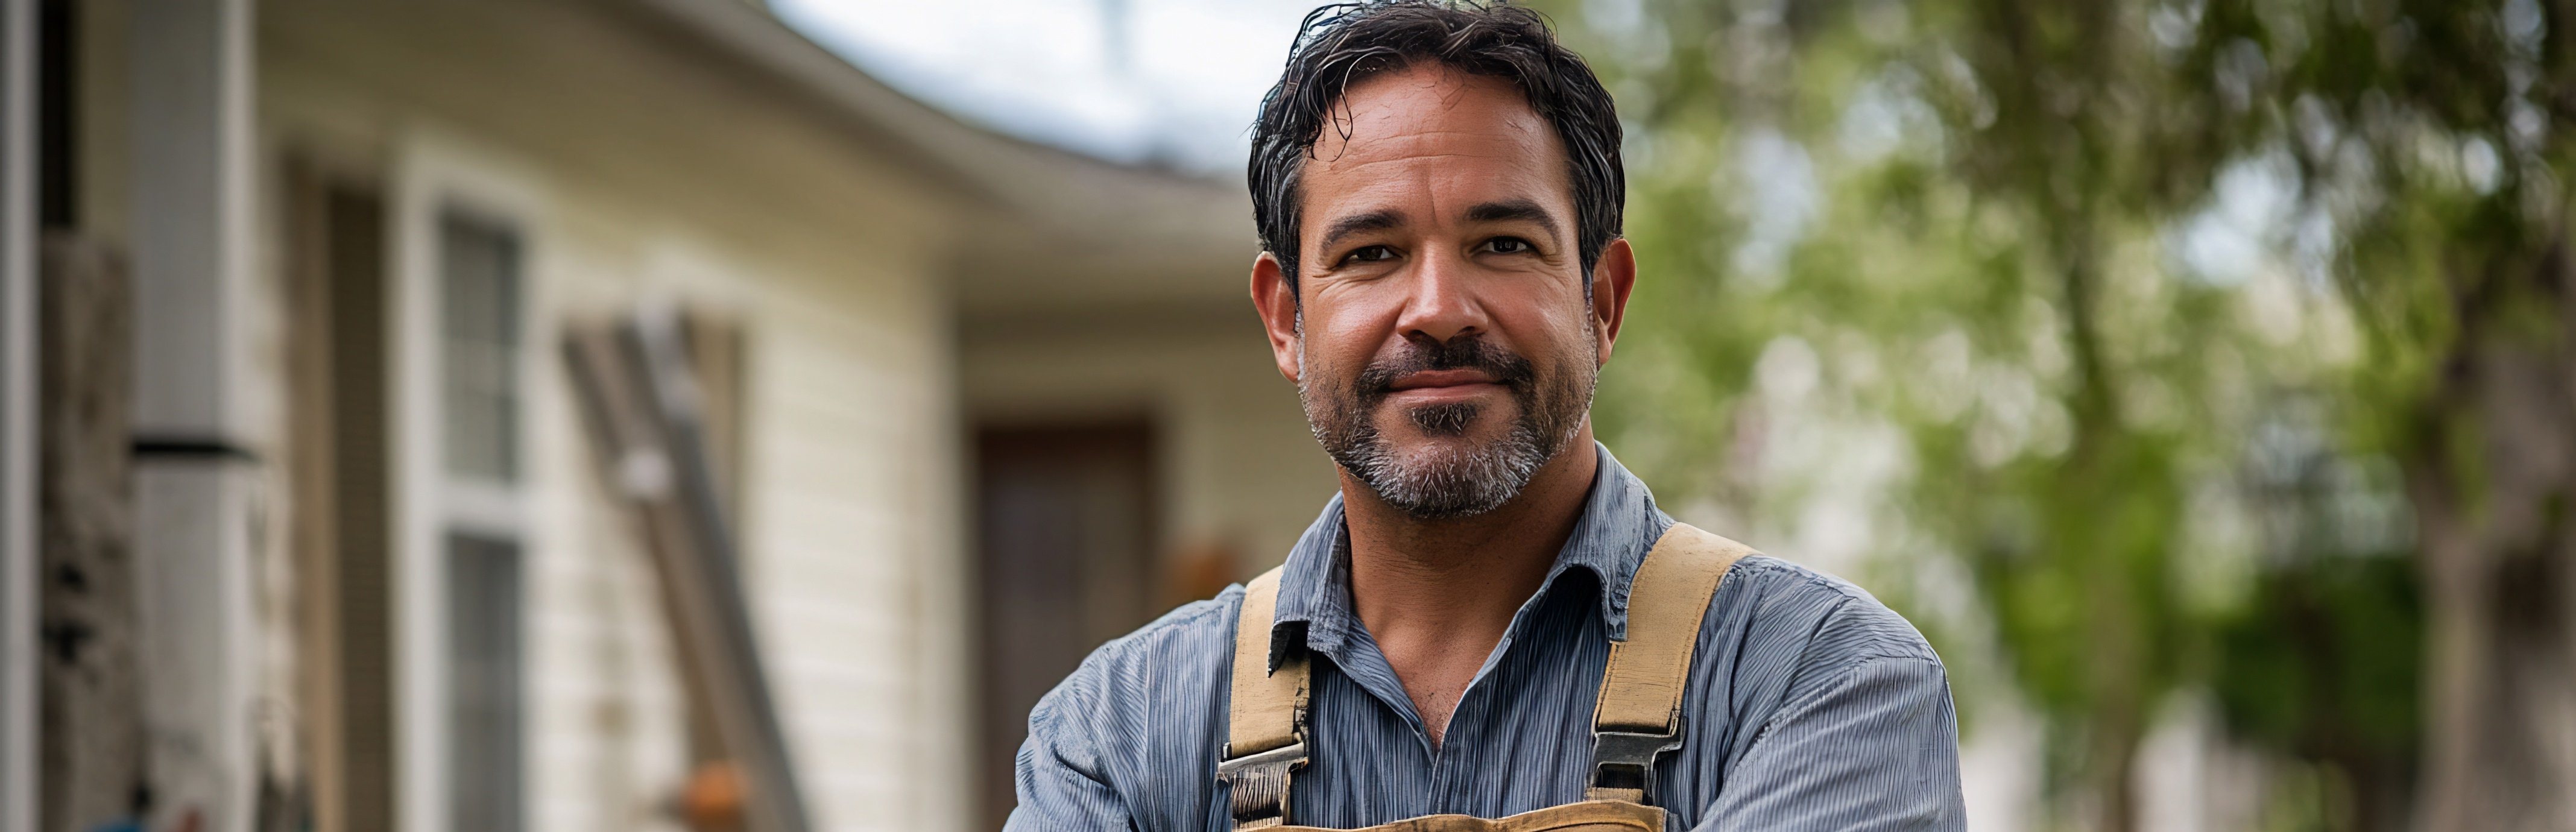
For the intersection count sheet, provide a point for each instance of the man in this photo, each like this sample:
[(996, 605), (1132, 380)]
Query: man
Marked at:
[(1493, 619)]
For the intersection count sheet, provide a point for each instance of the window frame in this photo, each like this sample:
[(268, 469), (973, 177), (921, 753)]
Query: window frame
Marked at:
[(439, 181)]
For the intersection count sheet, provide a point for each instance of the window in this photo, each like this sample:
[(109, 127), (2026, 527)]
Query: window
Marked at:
[(483, 682), (479, 409), (479, 337)]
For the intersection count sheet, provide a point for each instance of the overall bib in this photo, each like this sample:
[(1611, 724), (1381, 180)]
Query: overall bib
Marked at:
[(1638, 717)]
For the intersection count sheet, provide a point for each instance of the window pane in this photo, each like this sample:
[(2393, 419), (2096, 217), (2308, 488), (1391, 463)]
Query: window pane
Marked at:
[(479, 329), (484, 702)]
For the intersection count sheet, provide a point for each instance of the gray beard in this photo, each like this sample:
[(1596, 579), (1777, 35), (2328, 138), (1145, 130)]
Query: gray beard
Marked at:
[(1449, 483)]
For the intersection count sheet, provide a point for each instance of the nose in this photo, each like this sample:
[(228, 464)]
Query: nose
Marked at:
[(1443, 304)]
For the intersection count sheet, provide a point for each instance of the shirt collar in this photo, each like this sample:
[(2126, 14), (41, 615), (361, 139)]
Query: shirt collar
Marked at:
[(1618, 524)]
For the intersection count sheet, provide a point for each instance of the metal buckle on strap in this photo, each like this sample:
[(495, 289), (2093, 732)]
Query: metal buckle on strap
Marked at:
[(1259, 784), (1624, 760)]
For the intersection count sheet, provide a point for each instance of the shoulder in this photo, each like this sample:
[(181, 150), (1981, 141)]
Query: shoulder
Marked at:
[(1160, 683), (1826, 618), (1779, 635), (1186, 624), (1810, 692), (1192, 643)]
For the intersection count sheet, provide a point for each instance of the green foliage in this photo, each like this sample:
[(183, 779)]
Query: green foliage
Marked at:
[(2326, 661), (1975, 226)]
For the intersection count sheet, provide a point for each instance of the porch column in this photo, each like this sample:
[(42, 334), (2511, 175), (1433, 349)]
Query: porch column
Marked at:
[(18, 450), (199, 467)]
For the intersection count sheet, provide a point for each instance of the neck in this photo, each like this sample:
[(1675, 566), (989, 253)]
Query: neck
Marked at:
[(1437, 595)]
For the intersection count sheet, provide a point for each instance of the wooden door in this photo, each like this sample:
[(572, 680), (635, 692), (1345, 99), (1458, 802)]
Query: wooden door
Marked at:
[(1066, 533)]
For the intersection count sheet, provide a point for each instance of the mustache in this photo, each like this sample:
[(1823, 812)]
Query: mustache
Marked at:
[(1469, 352)]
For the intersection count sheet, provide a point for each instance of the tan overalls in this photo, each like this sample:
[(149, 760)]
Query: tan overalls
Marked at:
[(1638, 717)]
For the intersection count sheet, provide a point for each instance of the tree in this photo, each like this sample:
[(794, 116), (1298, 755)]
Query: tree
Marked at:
[(2022, 184), (2437, 134)]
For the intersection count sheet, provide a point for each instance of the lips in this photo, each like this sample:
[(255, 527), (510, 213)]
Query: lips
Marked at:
[(1462, 368), (1439, 379)]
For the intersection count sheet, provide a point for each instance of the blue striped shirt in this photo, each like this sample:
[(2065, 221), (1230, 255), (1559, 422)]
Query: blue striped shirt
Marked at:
[(1810, 705)]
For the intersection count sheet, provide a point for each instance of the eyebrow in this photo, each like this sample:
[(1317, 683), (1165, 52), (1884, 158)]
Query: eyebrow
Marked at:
[(1378, 220), (1512, 209)]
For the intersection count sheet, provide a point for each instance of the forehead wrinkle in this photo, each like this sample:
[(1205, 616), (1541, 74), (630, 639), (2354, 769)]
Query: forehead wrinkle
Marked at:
[(1511, 117), (1346, 156), (1513, 135), (1385, 99), (1397, 177), (1355, 167)]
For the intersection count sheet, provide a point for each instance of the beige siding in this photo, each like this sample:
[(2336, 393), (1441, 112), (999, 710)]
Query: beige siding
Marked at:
[(644, 171)]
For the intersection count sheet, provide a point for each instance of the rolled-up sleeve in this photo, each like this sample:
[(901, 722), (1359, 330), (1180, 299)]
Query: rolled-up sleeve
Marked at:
[(1876, 747)]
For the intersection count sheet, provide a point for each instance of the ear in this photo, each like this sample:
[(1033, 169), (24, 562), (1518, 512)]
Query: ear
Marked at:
[(1612, 279), (1277, 301)]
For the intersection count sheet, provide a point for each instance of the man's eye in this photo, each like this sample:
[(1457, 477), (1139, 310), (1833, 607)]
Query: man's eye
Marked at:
[(1369, 254), (1508, 245)]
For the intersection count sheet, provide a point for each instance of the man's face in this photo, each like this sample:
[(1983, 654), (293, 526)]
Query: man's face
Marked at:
[(1444, 343)]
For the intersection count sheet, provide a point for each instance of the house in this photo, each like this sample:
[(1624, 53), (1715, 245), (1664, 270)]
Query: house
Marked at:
[(983, 405)]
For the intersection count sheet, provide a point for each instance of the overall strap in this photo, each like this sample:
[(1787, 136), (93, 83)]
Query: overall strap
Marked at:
[(1639, 716), (1266, 718)]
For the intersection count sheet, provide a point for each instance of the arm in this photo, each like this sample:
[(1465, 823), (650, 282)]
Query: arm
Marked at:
[(1060, 775), (1875, 748)]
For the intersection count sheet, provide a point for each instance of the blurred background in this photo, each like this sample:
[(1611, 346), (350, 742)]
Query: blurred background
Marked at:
[(709, 415)]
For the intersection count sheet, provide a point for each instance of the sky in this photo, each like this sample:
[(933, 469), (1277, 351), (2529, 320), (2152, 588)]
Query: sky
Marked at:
[(1175, 83), (1169, 82)]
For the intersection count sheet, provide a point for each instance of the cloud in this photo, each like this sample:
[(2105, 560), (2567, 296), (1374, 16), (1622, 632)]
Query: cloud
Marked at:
[(1130, 80)]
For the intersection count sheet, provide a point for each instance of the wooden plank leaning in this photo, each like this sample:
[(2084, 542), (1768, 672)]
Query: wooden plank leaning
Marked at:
[(646, 413)]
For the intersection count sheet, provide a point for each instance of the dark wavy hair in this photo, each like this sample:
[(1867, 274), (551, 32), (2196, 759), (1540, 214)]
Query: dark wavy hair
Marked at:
[(1345, 43)]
